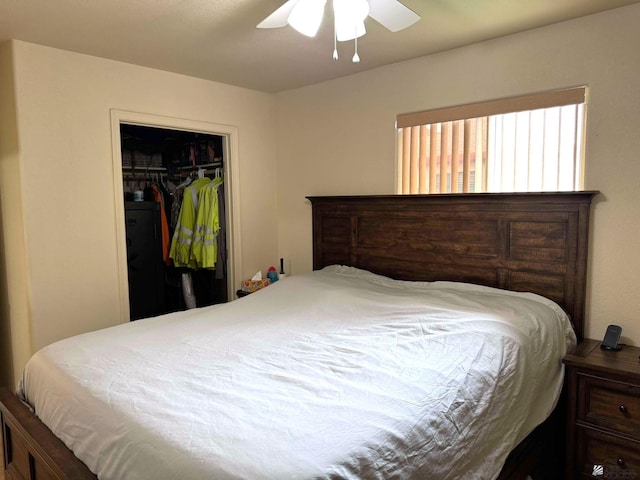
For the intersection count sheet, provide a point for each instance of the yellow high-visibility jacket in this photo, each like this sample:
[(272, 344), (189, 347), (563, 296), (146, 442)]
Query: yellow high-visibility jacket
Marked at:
[(183, 235), (204, 249)]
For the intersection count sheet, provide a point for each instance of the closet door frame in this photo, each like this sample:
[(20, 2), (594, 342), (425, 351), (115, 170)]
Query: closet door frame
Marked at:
[(232, 193)]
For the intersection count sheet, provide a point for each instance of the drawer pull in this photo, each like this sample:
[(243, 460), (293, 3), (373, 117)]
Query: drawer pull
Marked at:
[(620, 462), (622, 409)]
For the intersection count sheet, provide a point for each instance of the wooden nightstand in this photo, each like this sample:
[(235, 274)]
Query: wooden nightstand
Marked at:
[(603, 412)]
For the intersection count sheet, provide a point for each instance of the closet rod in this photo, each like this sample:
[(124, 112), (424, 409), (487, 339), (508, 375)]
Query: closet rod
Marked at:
[(204, 165)]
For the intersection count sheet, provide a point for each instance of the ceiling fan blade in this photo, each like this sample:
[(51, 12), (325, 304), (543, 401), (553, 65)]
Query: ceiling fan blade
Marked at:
[(278, 18), (392, 14)]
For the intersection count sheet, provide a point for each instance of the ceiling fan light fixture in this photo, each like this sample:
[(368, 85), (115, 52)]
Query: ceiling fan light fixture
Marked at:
[(306, 16), (348, 31), (349, 17)]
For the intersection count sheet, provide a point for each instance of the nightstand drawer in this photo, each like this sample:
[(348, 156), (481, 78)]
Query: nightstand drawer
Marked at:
[(610, 404), (620, 457)]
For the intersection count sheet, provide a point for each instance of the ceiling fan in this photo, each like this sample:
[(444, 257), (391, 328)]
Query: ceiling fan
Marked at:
[(306, 16)]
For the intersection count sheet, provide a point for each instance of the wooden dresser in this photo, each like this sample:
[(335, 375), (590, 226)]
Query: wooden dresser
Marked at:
[(603, 412)]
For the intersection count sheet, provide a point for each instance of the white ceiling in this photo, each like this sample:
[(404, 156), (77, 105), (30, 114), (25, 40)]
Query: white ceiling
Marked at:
[(217, 39)]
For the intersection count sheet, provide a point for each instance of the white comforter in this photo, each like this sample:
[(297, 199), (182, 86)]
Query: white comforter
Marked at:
[(336, 374)]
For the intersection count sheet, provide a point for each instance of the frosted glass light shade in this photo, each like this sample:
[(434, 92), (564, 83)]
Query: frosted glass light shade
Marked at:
[(349, 18), (306, 16)]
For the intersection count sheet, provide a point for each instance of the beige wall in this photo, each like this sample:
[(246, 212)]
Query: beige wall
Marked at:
[(15, 340), (64, 166), (337, 137)]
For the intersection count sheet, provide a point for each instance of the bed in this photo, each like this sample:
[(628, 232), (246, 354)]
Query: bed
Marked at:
[(332, 374)]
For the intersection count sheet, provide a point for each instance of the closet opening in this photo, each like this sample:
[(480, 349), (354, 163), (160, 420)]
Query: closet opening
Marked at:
[(177, 225)]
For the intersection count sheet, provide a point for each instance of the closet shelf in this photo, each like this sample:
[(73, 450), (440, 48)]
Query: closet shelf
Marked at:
[(144, 169)]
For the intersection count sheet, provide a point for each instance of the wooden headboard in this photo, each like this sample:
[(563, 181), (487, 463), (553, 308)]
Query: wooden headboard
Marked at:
[(535, 242)]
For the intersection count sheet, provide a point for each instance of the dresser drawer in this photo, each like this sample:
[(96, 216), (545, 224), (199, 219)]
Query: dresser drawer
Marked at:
[(610, 404), (619, 457)]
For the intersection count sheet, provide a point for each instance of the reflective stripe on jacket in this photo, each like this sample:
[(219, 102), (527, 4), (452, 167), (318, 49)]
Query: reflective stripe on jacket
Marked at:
[(204, 247)]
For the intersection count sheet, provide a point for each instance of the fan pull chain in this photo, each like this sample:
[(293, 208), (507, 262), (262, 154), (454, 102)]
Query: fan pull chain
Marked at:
[(356, 57), (335, 41)]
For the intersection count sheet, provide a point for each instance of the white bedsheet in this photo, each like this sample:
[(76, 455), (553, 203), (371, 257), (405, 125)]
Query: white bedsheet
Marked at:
[(335, 374)]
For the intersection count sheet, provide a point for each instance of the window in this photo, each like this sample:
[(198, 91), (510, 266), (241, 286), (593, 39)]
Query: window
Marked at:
[(532, 143)]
